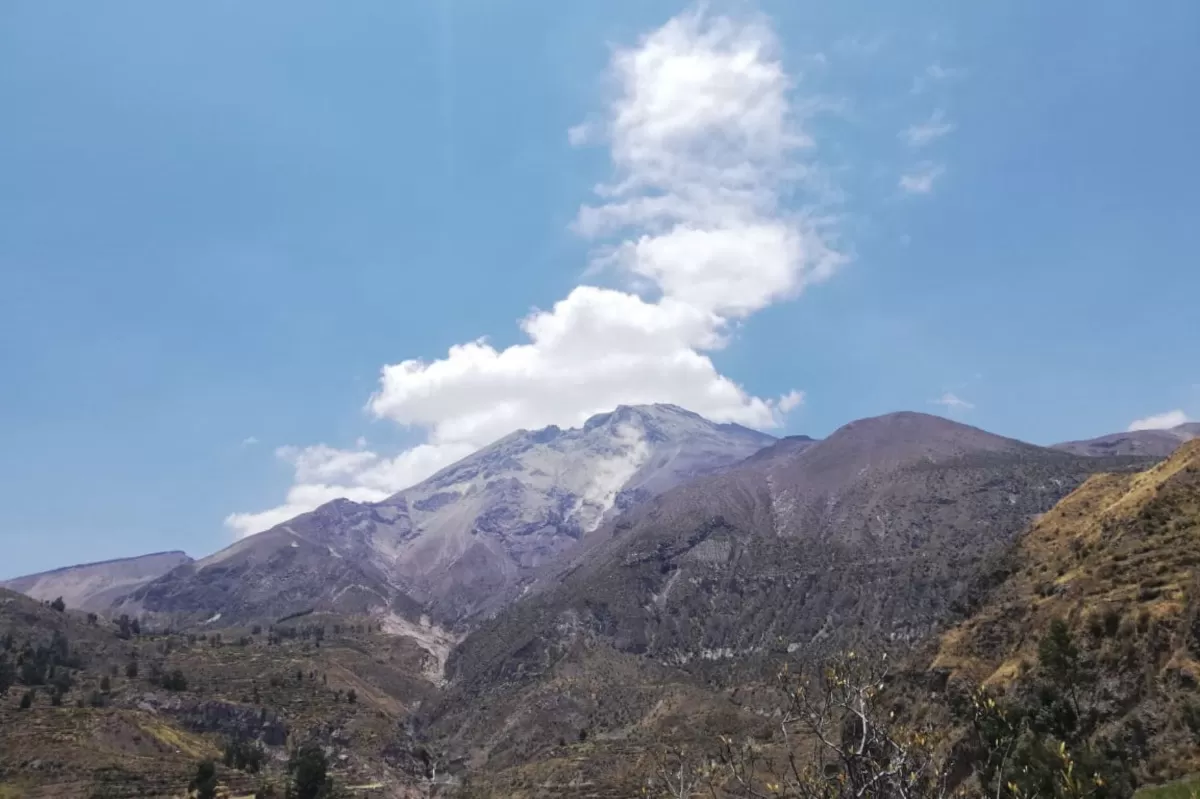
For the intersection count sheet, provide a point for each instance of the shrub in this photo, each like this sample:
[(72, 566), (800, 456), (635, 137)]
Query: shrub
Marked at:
[(59, 605), (27, 699), (175, 681), (205, 781), (244, 755), (308, 773)]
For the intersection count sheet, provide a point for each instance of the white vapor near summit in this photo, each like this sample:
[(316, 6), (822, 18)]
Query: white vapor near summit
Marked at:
[(706, 139), (1160, 421)]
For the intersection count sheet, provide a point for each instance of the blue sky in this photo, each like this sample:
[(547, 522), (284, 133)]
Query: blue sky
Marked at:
[(220, 221)]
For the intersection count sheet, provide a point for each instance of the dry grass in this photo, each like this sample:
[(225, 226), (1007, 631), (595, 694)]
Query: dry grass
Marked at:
[(1117, 560), (146, 741)]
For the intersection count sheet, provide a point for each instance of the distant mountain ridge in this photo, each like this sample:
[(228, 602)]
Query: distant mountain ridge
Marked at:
[(465, 541), (95, 586), (1156, 443)]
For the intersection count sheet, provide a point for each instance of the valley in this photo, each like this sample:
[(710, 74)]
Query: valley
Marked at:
[(565, 611)]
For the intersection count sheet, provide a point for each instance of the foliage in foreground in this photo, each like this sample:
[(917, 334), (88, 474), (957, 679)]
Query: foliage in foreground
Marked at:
[(845, 735)]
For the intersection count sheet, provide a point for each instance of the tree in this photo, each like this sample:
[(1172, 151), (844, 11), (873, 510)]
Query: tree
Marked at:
[(8, 675), (244, 755), (352, 696), (131, 670), (308, 774), (205, 781), (59, 605), (61, 679), (27, 699), (105, 684), (1040, 742), (175, 681), (33, 670), (1062, 667)]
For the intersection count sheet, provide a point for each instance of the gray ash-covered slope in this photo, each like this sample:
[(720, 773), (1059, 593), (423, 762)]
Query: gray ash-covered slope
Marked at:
[(1153, 443), (468, 539), (94, 586), (874, 533)]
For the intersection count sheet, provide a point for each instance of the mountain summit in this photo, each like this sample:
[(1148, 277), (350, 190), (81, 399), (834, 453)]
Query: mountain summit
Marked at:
[(464, 541)]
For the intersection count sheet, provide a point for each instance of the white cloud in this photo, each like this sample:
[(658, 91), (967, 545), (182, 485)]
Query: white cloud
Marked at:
[(324, 473), (577, 135), (790, 401), (952, 402), (921, 178), (1160, 421), (928, 131), (705, 140), (249, 441), (934, 74)]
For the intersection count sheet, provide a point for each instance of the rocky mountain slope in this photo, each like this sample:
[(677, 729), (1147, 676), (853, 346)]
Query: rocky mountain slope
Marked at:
[(638, 632), (1155, 443), (95, 586), (873, 534), (467, 540), (1119, 562)]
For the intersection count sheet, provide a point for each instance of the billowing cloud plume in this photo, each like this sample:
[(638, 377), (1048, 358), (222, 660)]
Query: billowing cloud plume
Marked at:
[(1160, 421), (705, 142)]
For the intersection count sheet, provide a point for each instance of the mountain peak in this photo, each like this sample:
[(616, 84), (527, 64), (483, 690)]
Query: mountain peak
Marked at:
[(655, 412), (883, 443)]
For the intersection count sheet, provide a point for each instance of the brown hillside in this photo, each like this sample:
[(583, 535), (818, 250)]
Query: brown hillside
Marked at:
[(119, 733), (1117, 560)]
